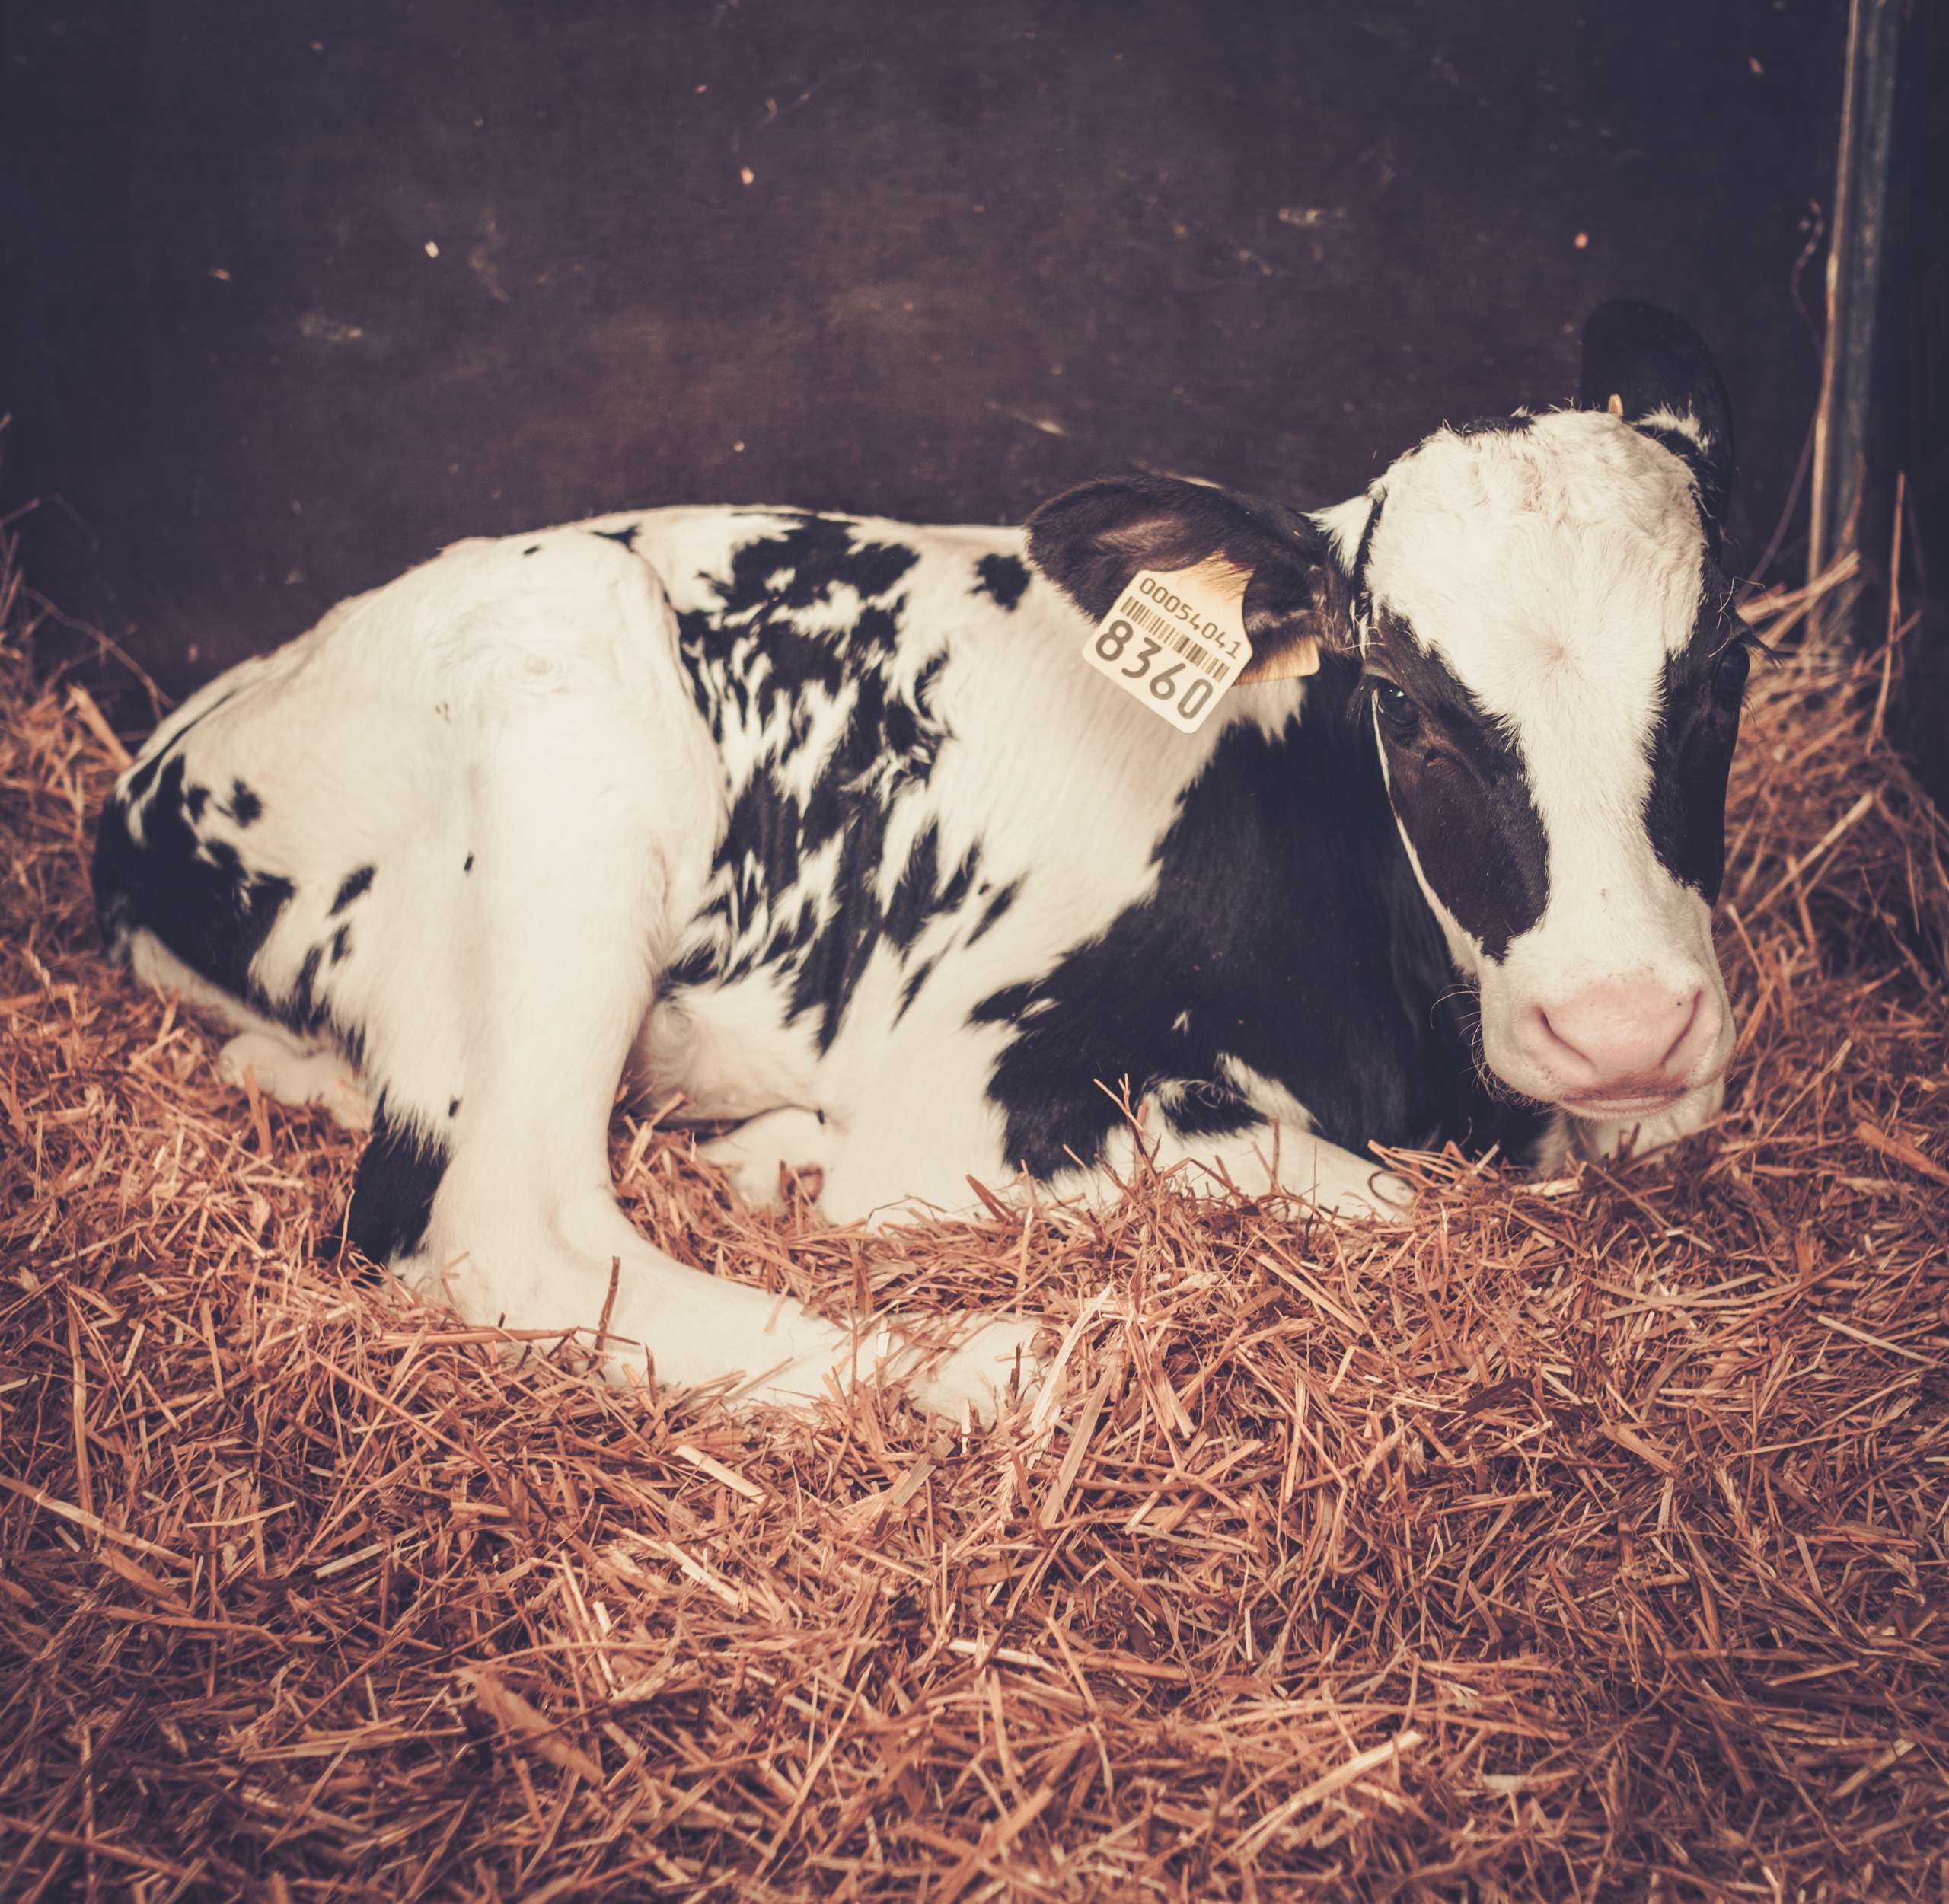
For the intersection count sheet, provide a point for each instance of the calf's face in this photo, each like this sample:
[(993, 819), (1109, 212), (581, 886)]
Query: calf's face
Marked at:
[(1553, 677), (1554, 680)]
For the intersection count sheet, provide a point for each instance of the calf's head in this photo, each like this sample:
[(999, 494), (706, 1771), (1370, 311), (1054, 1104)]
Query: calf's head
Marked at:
[(1553, 677)]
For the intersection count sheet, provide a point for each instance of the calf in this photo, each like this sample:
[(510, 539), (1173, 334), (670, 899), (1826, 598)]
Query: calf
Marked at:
[(823, 823)]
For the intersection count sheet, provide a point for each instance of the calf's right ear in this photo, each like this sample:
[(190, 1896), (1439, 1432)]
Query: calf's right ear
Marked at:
[(1652, 369), (1090, 541)]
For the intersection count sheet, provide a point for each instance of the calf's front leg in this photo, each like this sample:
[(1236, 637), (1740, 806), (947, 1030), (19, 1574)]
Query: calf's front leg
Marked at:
[(1280, 1155), (486, 1183)]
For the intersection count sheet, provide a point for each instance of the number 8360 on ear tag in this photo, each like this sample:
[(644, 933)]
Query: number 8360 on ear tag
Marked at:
[(1174, 640)]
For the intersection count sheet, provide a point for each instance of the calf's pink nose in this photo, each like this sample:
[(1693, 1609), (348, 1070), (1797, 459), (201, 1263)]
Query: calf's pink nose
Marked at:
[(1620, 1036)]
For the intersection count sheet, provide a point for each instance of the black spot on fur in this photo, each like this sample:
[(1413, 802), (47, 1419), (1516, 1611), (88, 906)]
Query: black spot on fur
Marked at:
[(301, 1008), (773, 579), (244, 804), (195, 800), (767, 826), (1208, 1109), (195, 895), (911, 989), (354, 886), (1286, 931), (145, 776), (996, 907), (836, 958), (921, 894), (306, 1008), (627, 535), (1691, 748), (534, 548), (697, 964), (753, 662), (453, 1107), (466, 864), (918, 882), (1003, 577), (392, 1193), (853, 801)]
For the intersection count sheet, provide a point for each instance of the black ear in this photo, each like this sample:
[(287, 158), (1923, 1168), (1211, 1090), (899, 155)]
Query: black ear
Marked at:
[(1090, 541), (1650, 368)]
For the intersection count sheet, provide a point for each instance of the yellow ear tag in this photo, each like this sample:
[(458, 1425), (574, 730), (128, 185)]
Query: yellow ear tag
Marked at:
[(1615, 405), (1174, 640)]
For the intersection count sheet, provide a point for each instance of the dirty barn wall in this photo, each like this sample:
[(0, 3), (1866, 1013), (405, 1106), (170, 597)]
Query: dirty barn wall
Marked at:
[(296, 293)]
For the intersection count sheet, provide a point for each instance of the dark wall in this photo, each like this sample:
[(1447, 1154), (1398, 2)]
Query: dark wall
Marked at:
[(300, 292)]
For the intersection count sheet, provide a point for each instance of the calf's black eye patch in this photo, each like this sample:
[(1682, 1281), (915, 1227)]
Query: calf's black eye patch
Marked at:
[(1690, 748), (1461, 788)]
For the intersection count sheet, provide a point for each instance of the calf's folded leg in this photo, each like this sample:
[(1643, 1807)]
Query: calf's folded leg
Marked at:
[(587, 803), (1268, 1159)]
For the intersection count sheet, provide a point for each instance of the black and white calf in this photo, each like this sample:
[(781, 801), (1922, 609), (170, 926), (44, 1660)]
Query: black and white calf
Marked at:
[(823, 823)]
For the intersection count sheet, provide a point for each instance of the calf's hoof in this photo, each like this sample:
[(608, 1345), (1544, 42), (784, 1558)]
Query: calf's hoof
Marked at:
[(981, 1371), (1366, 1193), (291, 1074)]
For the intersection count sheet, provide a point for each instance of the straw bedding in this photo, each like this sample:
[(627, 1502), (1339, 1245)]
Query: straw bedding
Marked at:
[(1577, 1539)]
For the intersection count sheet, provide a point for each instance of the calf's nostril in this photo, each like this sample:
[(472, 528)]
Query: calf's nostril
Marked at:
[(1551, 1034), (1685, 1030)]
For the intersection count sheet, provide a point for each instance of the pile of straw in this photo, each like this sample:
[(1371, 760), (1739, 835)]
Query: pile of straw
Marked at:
[(1582, 1538)]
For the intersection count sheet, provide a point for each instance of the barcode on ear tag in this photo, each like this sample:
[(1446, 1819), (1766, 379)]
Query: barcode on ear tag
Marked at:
[(1174, 640)]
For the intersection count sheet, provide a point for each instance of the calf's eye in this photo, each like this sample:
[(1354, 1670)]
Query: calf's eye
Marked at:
[(1729, 678), (1396, 711)]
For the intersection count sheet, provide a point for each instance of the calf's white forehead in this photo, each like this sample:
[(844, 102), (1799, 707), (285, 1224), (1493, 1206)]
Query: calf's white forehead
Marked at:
[(1535, 562)]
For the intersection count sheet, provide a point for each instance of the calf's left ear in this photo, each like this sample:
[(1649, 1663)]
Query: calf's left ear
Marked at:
[(1652, 368), (1090, 541)]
